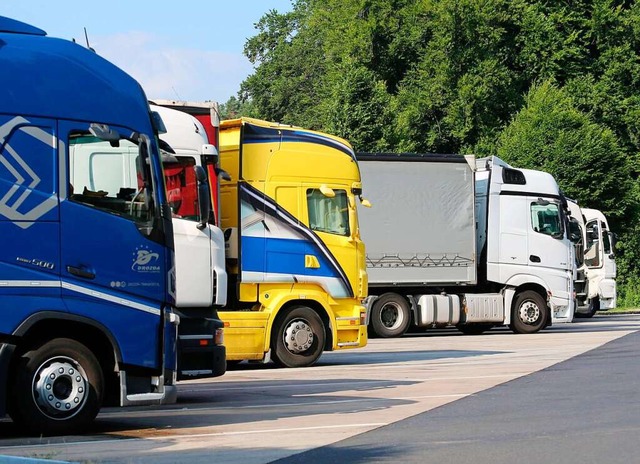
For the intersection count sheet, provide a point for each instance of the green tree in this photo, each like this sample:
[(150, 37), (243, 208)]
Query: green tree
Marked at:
[(357, 110), (465, 84), (287, 53), (550, 133), (234, 108)]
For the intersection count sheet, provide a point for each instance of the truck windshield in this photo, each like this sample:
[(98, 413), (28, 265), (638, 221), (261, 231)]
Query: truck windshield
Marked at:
[(329, 215), (110, 176)]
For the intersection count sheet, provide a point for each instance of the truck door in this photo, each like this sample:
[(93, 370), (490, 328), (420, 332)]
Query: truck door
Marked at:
[(109, 252), (277, 244), (600, 261), (29, 213), (547, 246), (194, 252), (608, 258), (332, 219)]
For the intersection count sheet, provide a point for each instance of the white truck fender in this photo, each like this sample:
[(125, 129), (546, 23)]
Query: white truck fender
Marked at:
[(510, 291)]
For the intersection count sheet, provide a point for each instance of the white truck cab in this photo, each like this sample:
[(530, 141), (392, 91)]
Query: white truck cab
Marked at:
[(595, 261), (201, 278), (527, 238)]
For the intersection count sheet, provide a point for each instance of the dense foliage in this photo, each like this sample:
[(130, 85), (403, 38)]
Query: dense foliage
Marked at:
[(552, 85)]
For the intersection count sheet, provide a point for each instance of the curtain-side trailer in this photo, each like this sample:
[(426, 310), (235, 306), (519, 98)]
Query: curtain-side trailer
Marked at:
[(451, 240)]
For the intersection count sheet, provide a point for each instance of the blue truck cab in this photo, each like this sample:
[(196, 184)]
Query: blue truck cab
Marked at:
[(87, 280)]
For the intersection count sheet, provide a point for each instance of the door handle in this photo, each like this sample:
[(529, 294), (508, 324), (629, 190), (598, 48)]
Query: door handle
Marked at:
[(534, 258), (79, 272)]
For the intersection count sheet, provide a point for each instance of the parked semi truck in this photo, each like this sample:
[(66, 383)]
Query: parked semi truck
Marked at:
[(595, 285), (87, 277), (455, 241), (200, 276), (294, 256)]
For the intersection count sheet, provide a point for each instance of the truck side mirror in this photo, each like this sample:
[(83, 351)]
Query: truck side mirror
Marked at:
[(613, 237), (211, 151), (204, 199), (223, 174), (158, 123), (327, 191), (366, 203)]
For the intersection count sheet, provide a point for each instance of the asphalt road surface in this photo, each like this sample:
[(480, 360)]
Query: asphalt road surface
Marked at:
[(570, 394)]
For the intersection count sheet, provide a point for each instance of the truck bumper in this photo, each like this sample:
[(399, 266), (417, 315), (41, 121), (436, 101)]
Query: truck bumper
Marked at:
[(198, 362), (561, 310), (608, 294), (245, 333), (351, 326), (201, 352)]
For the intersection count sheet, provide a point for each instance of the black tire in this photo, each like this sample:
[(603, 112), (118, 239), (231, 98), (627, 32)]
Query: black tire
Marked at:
[(530, 313), (298, 339), (57, 388), (594, 306), (474, 329), (233, 363), (390, 316)]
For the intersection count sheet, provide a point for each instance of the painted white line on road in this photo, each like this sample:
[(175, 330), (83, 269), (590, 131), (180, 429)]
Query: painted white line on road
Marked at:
[(454, 395), (475, 377), (164, 412), (445, 361), (253, 388), (195, 435), (292, 429), (355, 383)]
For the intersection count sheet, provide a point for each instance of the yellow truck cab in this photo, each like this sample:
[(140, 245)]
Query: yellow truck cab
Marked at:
[(295, 259)]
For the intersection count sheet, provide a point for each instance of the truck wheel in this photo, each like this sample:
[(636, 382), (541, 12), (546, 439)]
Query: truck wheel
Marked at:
[(474, 329), (299, 338), (233, 363), (57, 388), (530, 313), (594, 306), (390, 316)]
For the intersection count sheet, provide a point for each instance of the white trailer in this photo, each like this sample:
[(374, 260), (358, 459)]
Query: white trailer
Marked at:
[(595, 261), (451, 240)]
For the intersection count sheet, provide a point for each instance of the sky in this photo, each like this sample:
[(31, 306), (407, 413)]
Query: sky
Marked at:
[(179, 50)]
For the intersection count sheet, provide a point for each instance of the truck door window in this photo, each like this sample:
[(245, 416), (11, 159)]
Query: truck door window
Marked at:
[(592, 247), (182, 187), (329, 215), (575, 234), (546, 219), (110, 176)]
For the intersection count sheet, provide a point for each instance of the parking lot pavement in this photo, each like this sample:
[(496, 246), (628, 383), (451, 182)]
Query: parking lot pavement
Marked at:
[(256, 413)]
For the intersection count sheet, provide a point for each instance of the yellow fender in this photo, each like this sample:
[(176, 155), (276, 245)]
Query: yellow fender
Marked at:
[(275, 299)]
